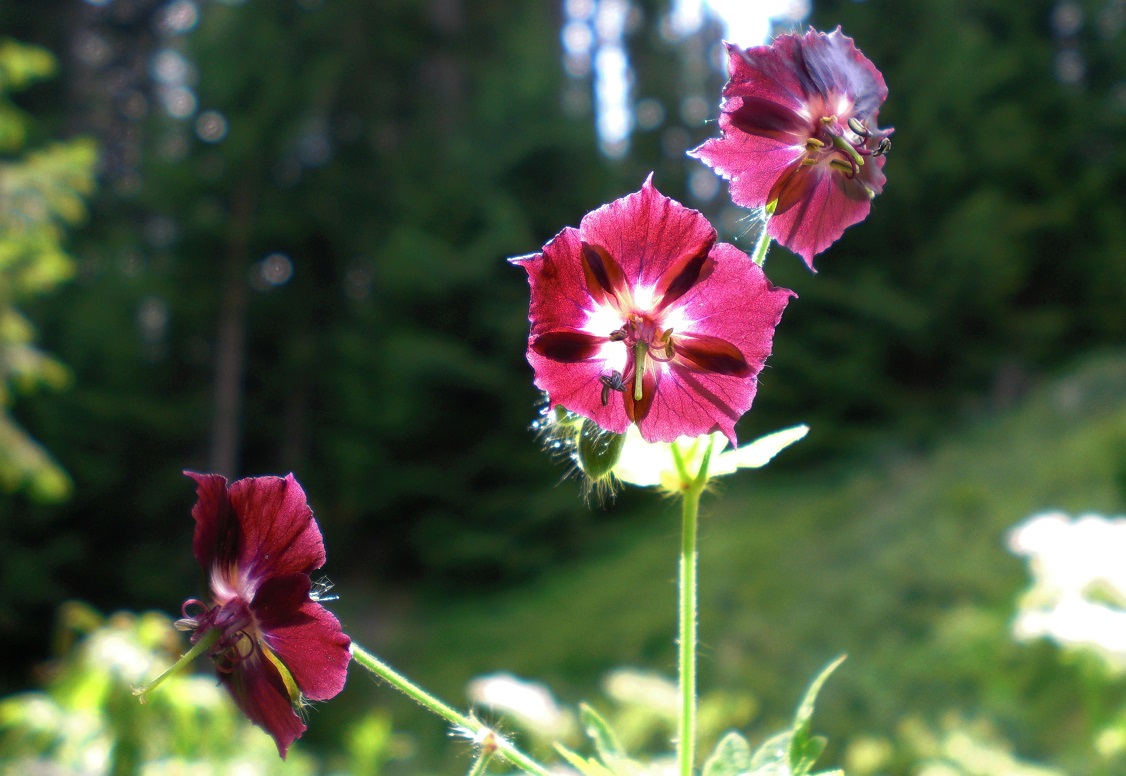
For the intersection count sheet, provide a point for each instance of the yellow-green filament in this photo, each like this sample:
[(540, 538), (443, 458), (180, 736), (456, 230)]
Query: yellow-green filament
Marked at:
[(296, 699)]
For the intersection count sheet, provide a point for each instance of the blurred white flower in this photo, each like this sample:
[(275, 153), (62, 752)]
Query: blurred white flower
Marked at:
[(1078, 592), (529, 704), (630, 686)]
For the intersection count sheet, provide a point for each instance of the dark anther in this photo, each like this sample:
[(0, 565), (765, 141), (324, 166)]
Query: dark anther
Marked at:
[(883, 147), (859, 127), (618, 335), (611, 382)]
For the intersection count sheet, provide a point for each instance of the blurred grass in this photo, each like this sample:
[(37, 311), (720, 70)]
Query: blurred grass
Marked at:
[(898, 559)]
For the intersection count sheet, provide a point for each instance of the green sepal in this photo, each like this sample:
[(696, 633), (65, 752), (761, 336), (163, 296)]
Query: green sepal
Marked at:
[(732, 756), (598, 449)]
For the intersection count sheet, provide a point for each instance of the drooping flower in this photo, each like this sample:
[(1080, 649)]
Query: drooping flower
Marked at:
[(800, 138), (640, 316), (275, 647)]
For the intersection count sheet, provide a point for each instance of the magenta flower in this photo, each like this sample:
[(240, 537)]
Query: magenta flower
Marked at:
[(274, 646), (800, 138), (640, 316)]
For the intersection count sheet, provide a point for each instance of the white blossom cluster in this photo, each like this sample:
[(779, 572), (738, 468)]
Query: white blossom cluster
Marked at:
[(1078, 592)]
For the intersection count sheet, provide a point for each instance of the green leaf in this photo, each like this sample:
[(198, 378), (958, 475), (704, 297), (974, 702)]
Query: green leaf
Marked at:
[(804, 751), (773, 755), (598, 730), (732, 756), (805, 708), (588, 766), (804, 748), (793, 752)]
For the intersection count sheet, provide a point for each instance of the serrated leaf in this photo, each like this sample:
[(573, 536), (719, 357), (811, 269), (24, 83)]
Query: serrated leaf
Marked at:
[(599, 731), (732, 756)]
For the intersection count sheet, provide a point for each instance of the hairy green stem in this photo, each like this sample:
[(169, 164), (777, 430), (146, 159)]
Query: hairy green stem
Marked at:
[(206, 642), (480, 763), (479, 732), (692, 488)]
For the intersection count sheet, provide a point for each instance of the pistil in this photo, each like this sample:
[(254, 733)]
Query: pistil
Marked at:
[(640, 349)]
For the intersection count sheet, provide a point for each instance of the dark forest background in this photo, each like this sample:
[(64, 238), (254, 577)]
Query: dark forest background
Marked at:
[(318, 283)]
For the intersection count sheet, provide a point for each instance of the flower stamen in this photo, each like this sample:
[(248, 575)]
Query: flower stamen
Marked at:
[(858, 127)]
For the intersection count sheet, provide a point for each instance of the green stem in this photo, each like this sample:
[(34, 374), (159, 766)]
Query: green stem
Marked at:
[(692, 489), (478, 731), (206, 642), (480, 763), (761, 247)]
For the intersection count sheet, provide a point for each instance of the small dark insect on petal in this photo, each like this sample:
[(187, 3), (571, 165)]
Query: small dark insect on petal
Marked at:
[(611, 382)]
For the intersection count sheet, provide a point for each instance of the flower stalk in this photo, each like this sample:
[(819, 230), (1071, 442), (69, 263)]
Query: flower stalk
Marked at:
[(205, 643), (692, 488), (477, 731)]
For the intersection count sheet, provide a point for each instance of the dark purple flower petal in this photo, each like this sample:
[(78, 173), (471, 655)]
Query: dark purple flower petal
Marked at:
[(712, 354), (278, 533), (567, 346), (304, 635), (768, 119), (257, 541), (693, 318), (799, 128), (216, 529), (260, 693), (647, 231), (604, 276), (680, 277)]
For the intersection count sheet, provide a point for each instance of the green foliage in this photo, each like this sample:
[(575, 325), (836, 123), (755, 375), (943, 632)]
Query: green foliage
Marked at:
[(20, 66), (86, 718), (42, 192), (609, 759), (789, 753)]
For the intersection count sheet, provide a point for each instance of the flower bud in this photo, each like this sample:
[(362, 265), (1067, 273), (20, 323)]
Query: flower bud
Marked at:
[(598, 450)]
